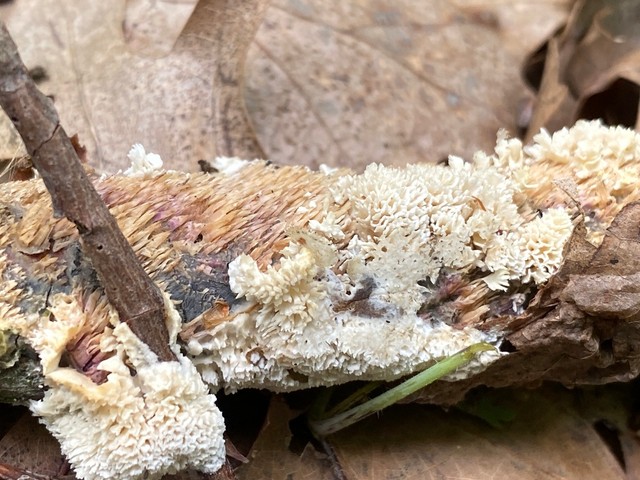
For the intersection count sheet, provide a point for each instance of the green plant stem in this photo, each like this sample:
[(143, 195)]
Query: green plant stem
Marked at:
[(352, 399), (327, 426)]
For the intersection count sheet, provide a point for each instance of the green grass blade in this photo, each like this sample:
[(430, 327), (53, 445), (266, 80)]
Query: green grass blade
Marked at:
[(327, 426)]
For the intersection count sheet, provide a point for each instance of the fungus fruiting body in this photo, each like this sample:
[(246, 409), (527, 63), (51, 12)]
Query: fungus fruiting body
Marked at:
[(284, 278), (148, 418), (142, 162)]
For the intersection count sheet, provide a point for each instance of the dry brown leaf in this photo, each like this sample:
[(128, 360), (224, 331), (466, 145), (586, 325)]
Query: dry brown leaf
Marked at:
[(346, 83), (11, 145), (554, 104), (270, 457), (113, 96), (226, 472), (548, 438), (615, 407), (610, 286), (394, 82), (619, 253), (549, 433), (152, 28), (591, 68), (29, 446)]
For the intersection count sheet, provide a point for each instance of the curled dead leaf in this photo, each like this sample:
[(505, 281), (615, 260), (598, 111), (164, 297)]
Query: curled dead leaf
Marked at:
[(590, 68)]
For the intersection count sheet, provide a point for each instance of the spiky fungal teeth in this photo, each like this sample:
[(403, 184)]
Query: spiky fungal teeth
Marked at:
[(284, 278)]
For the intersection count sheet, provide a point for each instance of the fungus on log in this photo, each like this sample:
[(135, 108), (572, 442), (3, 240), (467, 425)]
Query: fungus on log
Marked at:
[(285, 278)]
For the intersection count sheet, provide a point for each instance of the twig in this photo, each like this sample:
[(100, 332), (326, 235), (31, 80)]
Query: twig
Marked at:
[(337, 470), (135, 297)]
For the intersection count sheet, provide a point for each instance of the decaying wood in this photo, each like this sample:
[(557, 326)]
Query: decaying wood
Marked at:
[(580, 328), (136, 298), (184, 230), (20, 373)]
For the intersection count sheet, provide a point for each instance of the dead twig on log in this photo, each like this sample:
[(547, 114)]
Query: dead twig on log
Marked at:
[(136, 298)]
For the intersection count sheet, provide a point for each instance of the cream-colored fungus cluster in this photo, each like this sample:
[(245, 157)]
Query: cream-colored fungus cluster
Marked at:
[(598, 164), (332, 274), (148, 419), (142, 162), (411, 223), (402, 227)]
